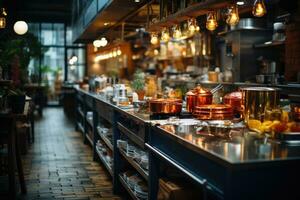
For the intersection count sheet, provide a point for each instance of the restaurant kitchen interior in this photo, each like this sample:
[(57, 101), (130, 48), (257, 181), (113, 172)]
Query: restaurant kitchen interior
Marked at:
[(150, 99)]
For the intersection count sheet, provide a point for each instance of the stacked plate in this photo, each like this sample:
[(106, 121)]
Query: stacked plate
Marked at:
[(213, 112)]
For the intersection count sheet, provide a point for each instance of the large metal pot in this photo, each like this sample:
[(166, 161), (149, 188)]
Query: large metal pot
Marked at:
[(256, 100), (196, 97), (235, 100), (165, 106)]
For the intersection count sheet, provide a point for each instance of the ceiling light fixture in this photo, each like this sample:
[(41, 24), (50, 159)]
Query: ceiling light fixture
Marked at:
[(176, 32), (20, 27), (100, 43), (165, 35), (3, 15), (192, 26), (211, 22), (106, 23), (240, 3), (154, 38), (233, 16), (97, 43), (259, 8)]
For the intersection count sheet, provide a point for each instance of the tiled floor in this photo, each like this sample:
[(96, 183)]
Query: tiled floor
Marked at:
[(59, 166)]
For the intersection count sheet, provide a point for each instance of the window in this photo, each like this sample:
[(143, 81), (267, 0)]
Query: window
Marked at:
[(53, 66)]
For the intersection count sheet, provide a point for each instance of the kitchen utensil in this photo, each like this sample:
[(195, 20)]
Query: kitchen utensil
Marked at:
[(256, 100), (213, 112), (235, 100), (165, 106), (198, 96)]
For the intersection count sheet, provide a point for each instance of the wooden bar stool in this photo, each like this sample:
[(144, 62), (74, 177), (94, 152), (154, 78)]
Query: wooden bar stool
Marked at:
[(8, 136)]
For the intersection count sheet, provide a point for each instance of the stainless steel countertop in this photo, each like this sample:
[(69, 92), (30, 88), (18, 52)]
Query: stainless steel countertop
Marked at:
[(237, 149), (242, 147)]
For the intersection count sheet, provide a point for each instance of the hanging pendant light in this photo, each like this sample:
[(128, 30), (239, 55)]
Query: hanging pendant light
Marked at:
[(20, 27), (211, 22), (165, 35), (259, 8), (97, 43), (192, 26), (3, 15), (154, 38), (177, 32), (233, 16)]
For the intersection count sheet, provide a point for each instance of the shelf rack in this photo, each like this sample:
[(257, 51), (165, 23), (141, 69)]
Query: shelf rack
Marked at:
[(128, 189), (106, 165), (105, 140), (135, 165)]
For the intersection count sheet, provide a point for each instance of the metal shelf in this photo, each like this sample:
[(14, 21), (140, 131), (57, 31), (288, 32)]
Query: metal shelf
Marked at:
[(89, 139), (135, 165), (80, 127), (90, 122), (106, 165), (270, 44), (129, 190), (80, 112), (106, 140), (131, 135)]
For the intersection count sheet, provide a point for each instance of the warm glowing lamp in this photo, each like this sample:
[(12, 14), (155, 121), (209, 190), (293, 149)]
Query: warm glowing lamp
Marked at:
[(165, 35), (259, 8), (20, 27), (233, 16), (211, 22), (154, 38), (176, 32)]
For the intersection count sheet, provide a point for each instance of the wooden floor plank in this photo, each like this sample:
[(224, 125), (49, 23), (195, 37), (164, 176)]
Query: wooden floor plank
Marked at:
[(59, 166)]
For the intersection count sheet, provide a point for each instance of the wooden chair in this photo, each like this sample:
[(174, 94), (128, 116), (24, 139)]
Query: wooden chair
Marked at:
[(8, 137)]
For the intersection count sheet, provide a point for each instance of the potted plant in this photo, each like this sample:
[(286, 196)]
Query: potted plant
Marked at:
[(22, 48), (138, 84)]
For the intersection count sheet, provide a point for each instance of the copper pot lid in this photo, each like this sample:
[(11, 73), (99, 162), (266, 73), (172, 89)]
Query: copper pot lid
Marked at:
[(165, 100), (234, 95), (199, 91), (214, 107)]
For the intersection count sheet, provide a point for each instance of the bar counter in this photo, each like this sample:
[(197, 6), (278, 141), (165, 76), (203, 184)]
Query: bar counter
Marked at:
[(242, 166)]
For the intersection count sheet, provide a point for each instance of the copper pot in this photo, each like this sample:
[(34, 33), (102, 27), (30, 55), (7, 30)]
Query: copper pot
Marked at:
[(213, 112), (196, 97), (256, 100), (235, 100), (165, 106)]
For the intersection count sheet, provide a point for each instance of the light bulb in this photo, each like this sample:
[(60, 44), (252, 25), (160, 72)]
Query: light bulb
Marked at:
[(154, 38), (211, 22), (233, 16), (119, 52), (165, 35), (20, 27), (259, 8), (97, 43), (192, 26), (103, 42), (2, 22), (176, 32)]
